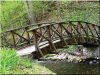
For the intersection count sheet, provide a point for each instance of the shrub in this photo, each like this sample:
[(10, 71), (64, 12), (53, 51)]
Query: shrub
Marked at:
[(9, 60)]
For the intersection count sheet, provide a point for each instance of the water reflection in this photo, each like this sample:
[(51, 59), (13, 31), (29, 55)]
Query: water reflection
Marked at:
[(72, 68)]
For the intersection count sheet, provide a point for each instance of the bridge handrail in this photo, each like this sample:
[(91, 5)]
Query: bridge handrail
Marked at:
[(26, 37), (37, 24), (61, 23)]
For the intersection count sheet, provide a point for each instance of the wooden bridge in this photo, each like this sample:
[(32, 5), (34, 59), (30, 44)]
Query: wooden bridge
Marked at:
[(47, 37)]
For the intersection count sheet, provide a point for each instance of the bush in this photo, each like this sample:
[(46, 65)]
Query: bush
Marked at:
[(9, 60)]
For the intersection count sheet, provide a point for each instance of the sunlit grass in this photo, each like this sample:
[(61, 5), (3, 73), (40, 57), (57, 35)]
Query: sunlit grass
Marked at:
[(9, 60), (29, 66), (11, 63)]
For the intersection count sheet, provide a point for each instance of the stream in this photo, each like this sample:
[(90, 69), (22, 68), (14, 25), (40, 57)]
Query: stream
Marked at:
[(90, 66), (71, 68)]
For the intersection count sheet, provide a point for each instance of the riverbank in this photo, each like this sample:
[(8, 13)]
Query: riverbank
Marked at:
[(29, 66), (65, 62)]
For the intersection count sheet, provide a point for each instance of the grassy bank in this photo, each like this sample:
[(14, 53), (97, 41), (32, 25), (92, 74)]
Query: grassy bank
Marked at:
[(28, 66), (13, 64)]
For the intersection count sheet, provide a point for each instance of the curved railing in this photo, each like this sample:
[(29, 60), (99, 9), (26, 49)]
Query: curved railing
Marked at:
[(36, 34)]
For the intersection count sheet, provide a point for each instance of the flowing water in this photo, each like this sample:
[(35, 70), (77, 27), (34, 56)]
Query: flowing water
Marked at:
[(62, 67)]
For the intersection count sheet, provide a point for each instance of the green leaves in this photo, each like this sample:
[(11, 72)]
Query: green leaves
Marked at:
[(14, 14)]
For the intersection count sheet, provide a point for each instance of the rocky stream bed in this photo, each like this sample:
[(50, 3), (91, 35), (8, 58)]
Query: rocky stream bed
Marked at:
[(74, 57), (72, 62)]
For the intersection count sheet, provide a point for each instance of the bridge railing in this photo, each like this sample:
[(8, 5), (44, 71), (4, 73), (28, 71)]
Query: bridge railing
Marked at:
[(19, 36), (39, 33), (49, 33)]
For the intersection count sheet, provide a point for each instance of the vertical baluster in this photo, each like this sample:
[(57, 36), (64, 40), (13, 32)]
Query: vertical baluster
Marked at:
[(62, 37), (73, 33), (82, 31), (27, 35), (61, 34), (13, 38)]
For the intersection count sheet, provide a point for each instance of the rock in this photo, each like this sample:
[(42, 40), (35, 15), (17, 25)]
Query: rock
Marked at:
[(94, 61), (77, 54), (75, 59), (97, 62), (91, 62)]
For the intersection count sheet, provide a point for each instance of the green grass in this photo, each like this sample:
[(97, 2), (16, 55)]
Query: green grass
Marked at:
[(10, 63), (69, 48), (9, 60), (29, 66)]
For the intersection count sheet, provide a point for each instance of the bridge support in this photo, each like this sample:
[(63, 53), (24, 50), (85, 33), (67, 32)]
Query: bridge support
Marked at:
[(52, 46), (37, 45)]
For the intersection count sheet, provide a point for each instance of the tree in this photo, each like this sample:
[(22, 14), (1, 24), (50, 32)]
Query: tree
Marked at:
[(30, 11)]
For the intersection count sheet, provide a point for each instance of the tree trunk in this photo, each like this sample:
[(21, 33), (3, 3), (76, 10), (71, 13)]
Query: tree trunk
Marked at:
[(30, 11)]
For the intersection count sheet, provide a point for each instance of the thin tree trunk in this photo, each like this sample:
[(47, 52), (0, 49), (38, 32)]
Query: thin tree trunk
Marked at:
[(30, 11)]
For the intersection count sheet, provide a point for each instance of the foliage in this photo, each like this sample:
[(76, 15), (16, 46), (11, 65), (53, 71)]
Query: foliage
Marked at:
[(82, 11), (9, 60), (14, 13), (10, 63), (69, 48), (72, 48)]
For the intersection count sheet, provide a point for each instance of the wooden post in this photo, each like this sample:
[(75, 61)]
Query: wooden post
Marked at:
[(61, 33), (36, 44), (50, 40), (87, 37), (81, 28), (13, 38), (99, 37), (97, 32), (72, 28), (27, 35), (84, 31), (92, 34)]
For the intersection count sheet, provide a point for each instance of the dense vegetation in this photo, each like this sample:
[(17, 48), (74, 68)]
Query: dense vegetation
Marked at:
[(9, 60), (11, 63), (14, 13)]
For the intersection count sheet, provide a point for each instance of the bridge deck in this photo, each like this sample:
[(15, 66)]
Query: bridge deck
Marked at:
[(26, 51), (30, 49)]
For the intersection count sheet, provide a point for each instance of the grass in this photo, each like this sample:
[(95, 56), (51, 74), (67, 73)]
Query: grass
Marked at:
[(28, 66), (9, 60), (13, 64), (69, 48)]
